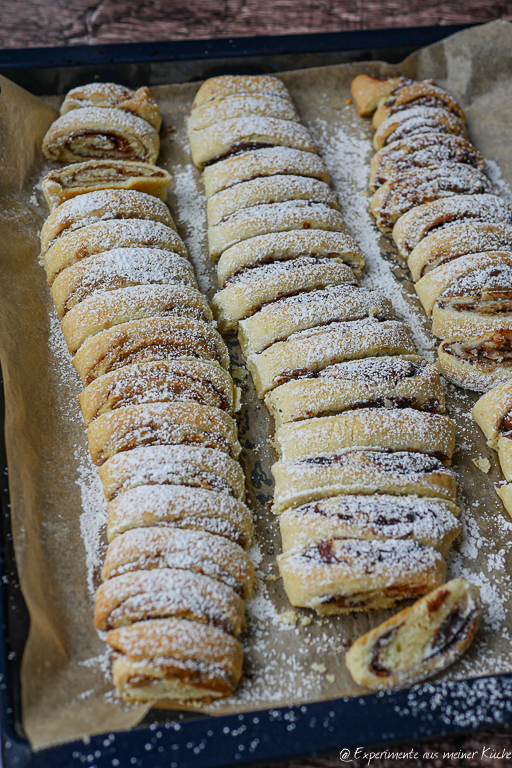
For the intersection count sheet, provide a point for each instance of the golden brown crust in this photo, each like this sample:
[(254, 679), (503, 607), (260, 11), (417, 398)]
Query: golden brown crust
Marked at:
[(417, 92), (492, 413), (370, 90), (479, 363), (111, 95)]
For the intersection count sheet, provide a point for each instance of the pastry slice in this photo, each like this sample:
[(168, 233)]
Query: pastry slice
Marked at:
[(430, 522), (254, 288), (398, 473), (276, 217), (270, 161), (376, 382), (80, 178), (183, 507), (307, 352), (478, 363), (109, 235), (184, 465), (284, 246), (174, 659), (229, 85), (369, 91), (119, 268), (240, 105), (493, 413), (99, 206), (142, 549), (113, 96), (94, 133), (416, 93), (161, 593), (388, 429), (169, 381), (505, 456), (418, 642), (161, 424), (345, 575), (417, 119), (505, 494), (149, 340)]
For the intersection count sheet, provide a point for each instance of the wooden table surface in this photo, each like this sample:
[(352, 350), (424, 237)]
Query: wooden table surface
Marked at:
[(72, 22)]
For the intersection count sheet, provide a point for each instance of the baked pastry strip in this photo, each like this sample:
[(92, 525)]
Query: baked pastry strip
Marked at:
[(114, 96), (479, 363), (417, 119), (493, 413), (240, 105), (229, 85)]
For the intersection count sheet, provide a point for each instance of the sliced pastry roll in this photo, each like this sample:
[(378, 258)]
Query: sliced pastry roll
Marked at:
[(99, 206), (277, 217), (161, 424), (176, 506), (239, 134), (240, 105), (505, 456), (175, 659), (160, 593), (421, 151), (246, 293), (361, 472), (416, 93), (421, 220), (479, 363), (404, 196), (493, 413), (370, 91), (148, 340), (269, 189), (417, 119), (187, 465), (228, 85), (109, 235), (344, 575), (270, 161), (119, 268), (142, 549), (377, 382), (111, 95), (418, 642), (125, 305), (430, 522), (278, 320), (306, 352), (80, 178), (505, 494), (395, 429), (169, 381), (283, 246), (93, 133)]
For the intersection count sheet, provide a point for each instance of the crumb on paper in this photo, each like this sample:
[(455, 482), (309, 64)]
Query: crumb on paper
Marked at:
[(271, 577), (330, 678), (289, 617), (348, 101), (483, 464), (305, 621), (320, 668)]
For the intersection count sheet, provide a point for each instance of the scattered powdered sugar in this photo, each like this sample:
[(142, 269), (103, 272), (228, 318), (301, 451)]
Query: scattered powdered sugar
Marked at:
[(191, 209), (494, 173)]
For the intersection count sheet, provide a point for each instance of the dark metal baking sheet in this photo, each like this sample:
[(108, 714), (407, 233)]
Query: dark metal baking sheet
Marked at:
[(190, 741)]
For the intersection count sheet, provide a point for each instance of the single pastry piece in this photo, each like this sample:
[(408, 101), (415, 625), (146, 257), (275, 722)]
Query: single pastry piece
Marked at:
[(109, 235), (394, 429), (417, 223), (240, 105), (434, 283), (188, 465), (93, 133), (370, 91), (111, 95), (478, 302), (505, 494), (228, 137), (278, 217), (401, 199), (456, 240), (493, 413), (279, 319), (416, 93), (344, 575), (270, 161), (161, 424), (229, 85), (270, 189), (119, 268), (254, 288), (175, 506), (124, 305), (505, 456), (478, 363), (361, 472), (160, 593), (174, 659), (148, 340), (418, 642), (101, 206), (170, 381), (306, 352), (419, 119), (64, 183), (430, 522), (421, 151), (142, 549), (376, 382), (284, 246)]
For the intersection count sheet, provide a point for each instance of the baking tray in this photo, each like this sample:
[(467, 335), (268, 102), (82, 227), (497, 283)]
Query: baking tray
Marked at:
[(187, 740)]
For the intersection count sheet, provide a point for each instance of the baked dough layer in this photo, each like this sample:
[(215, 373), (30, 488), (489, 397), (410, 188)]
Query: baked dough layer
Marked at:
[(416, 93), (240, 105), (492, 413), (480, 363), (369, 91), (223, 86), (415, 120), (112, 95)]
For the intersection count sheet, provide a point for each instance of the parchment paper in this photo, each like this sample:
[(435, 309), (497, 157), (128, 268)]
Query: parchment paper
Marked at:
[(58, 512)]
